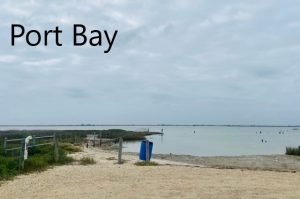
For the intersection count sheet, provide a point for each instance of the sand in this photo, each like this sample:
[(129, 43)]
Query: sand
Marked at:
[(284, 163), (106, 179)]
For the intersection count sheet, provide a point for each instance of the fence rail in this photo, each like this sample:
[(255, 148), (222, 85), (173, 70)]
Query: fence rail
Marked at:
[(13, 140), (24, 147)]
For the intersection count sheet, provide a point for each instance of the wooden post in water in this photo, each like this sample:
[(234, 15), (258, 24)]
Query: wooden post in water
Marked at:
[(5, 145), (147, 151), (120, 150), (56, 154)]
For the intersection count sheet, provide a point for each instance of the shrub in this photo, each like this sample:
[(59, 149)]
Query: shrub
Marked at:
[(37, 163), (4, 173), (39, 159), (87, 161), (8, 167), (292, 151), (63, 157), (70, 148)]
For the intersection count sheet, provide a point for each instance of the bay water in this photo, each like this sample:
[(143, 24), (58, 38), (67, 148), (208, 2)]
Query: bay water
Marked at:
[(205, 140)]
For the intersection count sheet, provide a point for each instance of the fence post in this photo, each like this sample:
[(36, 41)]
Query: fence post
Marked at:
[(21, 158), (5, 145), (33, 140), (120, 150), (94, 139), (33, 144), (147, 151), (56, 154), (100, 139)]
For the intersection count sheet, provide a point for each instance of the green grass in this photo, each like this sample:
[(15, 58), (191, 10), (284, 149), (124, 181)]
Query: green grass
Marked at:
[(40, 158), (146, 163), (70, 148), (292, 151), (87, 161), (8, 167)]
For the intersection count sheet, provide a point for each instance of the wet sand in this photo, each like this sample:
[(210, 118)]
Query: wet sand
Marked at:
[(282, 163), (170, 179)]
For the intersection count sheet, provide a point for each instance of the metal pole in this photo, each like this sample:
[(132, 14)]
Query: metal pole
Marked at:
[(120, 150), (147, 151)]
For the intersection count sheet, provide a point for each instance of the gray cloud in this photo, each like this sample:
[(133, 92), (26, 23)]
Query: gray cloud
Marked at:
[(172, 62)]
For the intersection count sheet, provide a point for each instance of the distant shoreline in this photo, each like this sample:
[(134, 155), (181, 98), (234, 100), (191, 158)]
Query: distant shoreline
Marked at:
[(161, 125)]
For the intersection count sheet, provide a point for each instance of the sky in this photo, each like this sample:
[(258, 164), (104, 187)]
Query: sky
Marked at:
[(175, 62)]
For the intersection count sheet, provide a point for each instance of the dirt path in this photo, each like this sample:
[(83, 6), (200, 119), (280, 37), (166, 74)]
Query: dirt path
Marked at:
[(106, 179)]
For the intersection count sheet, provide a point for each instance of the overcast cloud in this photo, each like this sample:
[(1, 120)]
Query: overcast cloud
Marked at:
[(204, 62)]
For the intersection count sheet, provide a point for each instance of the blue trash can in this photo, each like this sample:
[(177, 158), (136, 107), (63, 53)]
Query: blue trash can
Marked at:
[(143, 150)]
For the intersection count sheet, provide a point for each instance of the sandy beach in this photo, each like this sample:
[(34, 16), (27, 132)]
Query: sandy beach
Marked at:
[(106, 179), (282, 163)]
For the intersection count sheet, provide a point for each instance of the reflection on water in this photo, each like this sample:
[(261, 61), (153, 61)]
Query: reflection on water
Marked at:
[(208, 140)]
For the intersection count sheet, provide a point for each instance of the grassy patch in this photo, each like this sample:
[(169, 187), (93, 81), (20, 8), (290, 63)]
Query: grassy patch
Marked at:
[(146, 163), (111, 158), (40, 158), (70, 148), (87, 161), (292, 151), (8, 167)]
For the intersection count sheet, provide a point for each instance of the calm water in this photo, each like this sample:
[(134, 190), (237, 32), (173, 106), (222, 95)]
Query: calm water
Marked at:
[(208, 141)]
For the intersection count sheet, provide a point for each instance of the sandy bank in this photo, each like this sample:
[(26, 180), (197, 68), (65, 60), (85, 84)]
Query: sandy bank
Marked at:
[(283, 163), (106, 179)]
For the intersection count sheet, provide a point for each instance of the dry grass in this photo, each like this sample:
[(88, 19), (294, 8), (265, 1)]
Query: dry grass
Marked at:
[(87, 161), (146, 163)]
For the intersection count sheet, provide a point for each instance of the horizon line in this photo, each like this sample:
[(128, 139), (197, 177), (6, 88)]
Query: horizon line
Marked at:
[(162, 124)]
